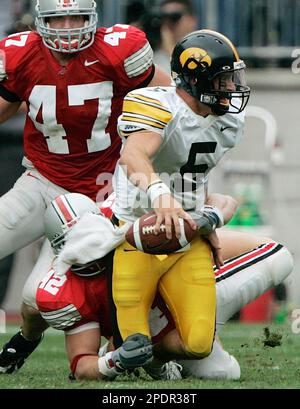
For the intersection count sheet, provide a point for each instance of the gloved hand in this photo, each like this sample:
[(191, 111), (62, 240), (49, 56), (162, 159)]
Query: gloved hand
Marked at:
[(210, 219), (135, 351)]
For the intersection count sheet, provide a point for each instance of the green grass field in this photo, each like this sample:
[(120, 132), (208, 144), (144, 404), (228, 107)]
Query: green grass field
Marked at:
[(262, 366)]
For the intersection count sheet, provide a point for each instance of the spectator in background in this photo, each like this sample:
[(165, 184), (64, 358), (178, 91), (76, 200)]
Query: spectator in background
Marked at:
[(178, 18), (149, 21), (135, 12), (164, 27)]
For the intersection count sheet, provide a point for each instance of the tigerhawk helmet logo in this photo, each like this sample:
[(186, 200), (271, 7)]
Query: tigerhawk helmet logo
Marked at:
[(190, 57)]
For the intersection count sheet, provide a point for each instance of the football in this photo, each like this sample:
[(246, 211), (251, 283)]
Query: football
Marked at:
[(141, 236)]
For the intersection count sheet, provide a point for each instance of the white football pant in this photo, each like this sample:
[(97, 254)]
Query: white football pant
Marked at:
[(22, 211), (243, 279), (249, 276), (40, 269)]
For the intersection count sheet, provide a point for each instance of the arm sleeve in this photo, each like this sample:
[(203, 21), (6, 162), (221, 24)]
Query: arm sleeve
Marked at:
[(132, 58)]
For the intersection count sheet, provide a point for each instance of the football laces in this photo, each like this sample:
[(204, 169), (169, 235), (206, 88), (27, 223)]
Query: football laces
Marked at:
[(150, 229)]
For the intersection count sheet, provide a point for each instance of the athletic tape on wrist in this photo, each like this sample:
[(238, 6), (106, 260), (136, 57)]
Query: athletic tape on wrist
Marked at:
[(216, 213), (157, 189), (107, 366)]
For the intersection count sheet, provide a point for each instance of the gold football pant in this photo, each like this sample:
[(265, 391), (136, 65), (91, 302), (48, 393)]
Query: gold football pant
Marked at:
[(186, 282)]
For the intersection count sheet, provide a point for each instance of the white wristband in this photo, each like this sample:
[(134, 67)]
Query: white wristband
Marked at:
[(157, 189), (107, 367)]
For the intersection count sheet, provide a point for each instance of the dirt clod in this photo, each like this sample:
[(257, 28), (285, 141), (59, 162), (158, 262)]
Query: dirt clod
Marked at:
[(272, 339)]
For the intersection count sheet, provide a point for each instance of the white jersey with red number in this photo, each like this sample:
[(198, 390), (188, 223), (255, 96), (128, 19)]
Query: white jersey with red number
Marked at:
[(69, 302), (70, 134)]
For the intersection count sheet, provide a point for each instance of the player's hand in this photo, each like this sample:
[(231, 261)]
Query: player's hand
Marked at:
[(216, 249), (136, 351), (3, 74), (168, 212)]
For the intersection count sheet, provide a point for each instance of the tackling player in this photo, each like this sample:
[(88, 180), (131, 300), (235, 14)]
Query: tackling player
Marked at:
[(78, 301), (73, 77)]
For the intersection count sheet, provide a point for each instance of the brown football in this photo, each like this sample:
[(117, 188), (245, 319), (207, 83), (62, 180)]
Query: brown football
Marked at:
[(141, 236)]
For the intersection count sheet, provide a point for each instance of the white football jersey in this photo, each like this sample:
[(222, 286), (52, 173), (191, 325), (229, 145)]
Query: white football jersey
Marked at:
[(191, 146)]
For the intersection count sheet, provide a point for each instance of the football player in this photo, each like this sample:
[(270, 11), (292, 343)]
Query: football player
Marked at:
[(78, 301), (79, 306), (173, 137), (73, 77)]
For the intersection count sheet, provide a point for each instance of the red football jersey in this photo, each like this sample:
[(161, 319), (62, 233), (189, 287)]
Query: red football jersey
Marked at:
[(71, 128), (70, 301)]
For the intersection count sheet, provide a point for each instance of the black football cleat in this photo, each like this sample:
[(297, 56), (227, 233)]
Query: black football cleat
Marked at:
[(15, 352)]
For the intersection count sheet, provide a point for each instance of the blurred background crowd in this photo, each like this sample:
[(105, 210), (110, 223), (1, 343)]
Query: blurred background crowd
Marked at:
[(265, 31), (263, 173)]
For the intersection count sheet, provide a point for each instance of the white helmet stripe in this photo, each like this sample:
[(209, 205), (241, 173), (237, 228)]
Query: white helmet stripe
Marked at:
[(63, 209)]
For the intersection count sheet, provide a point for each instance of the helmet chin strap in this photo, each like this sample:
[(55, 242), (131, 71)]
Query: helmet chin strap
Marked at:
[(219, 109), (214, 103)]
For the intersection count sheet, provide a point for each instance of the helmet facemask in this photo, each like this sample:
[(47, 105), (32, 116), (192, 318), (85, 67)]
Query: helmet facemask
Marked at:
[(67, 40), (58, 242), (225, 92)]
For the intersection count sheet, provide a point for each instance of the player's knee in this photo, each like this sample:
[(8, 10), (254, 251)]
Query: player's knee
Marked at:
[(282, 264), (84, 367), (82, 372), (199, 340), (33, 324), (29, 312)]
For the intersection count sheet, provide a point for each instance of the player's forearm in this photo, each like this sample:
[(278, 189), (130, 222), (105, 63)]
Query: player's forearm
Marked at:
[(7, 109), (136, 158), (138, 168)]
